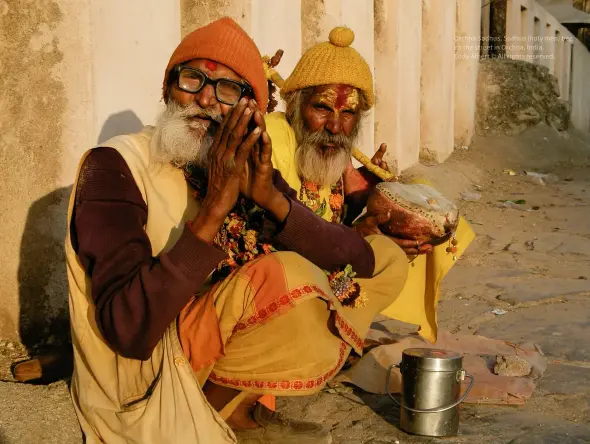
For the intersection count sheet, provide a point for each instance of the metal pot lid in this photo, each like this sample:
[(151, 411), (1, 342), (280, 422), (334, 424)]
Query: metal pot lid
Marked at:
[(434, 359)]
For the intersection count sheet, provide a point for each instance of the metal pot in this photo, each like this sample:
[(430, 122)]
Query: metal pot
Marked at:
[(431, 387)]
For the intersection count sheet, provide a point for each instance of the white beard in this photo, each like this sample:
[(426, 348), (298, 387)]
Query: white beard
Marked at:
[(319, 168), (179, 140), (314, 164)]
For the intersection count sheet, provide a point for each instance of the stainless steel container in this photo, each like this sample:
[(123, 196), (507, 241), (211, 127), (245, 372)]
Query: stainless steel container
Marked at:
[(431, 388)]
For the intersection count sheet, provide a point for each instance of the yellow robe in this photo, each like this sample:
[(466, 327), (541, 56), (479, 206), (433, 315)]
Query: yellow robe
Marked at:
[(418, 300)]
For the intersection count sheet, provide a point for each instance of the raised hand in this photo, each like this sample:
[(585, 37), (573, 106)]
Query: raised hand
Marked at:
[(261, 187), (228, 158), (263, 190), (377, 158)]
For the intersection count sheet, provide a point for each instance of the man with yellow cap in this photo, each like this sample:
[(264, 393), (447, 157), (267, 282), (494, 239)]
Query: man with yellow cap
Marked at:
[(326, 97), (198, 282)]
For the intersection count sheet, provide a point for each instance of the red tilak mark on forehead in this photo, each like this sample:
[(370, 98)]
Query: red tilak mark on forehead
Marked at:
[(210, 65), (342, 93)]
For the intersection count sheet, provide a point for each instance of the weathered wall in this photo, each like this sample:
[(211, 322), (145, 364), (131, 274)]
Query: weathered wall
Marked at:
[(415, 108), (197, 13), (438, 80), (535, 36), (513, 95), (398, 44), (73, 73), (466, 69), (277, 25), (580, 95), (33, 103)]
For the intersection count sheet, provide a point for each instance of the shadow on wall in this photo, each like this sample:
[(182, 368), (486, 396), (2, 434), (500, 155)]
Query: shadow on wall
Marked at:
[(42, 273), (44, 315), (125, 122)]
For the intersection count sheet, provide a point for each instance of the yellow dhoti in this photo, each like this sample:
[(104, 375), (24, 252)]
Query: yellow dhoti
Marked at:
[(275, 327), (419, 298)]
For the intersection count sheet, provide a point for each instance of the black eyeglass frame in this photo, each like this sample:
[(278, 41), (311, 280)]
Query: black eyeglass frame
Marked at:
[(245, 89)]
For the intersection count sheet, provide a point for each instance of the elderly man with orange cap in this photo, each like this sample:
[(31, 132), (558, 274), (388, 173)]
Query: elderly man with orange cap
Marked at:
[(198, 281)]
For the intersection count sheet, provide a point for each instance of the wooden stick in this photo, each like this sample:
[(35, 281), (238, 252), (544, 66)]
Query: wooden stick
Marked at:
[(270, 64), (382, 174)]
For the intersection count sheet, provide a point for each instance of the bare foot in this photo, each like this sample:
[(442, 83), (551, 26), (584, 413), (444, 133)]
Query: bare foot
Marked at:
[(241, 417)]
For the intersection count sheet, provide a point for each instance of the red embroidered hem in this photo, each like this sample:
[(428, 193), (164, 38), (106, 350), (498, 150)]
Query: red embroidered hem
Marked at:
[(349, 334), (293, 385), (265, 313)]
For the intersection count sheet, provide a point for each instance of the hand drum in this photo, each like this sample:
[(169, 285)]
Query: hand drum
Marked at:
[(418, 212)]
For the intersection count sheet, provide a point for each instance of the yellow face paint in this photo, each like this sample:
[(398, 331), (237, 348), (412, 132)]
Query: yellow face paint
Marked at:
[(339, 98)]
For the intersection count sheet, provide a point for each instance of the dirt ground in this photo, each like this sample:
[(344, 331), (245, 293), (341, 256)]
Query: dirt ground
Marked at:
[(534, 264)]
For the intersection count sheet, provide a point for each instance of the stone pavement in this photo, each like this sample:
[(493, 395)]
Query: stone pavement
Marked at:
[(535, 265)]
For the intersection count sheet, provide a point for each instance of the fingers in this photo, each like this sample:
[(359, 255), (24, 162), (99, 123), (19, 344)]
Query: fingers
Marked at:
[(383, 217), (238, 133), (245, 148), (366, 229), (425, 248), (221, 130), (259, 119), (378, 156), (409, 246), (266, 149), (412, 247), (407, 243), (262, 152), (235, 117)]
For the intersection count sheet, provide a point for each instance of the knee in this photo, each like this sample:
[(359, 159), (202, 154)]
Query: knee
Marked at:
[(390, 259)]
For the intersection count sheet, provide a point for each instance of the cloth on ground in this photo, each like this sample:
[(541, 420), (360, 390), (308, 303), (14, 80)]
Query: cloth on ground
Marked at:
[(479, 356)]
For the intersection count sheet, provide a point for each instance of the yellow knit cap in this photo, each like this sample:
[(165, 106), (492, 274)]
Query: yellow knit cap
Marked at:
[(332, 62)]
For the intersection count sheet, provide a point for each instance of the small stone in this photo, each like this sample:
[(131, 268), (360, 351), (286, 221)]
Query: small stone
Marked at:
[(511, 366)]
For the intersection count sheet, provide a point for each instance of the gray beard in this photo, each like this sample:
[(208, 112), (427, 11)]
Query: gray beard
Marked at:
[(179, 140), (317, 167)]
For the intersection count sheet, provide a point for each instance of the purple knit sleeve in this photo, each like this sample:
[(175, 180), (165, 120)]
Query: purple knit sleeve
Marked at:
[(136, 295), (327, 245)]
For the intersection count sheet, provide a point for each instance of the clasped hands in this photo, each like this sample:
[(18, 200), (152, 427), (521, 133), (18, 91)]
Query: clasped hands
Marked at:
[(239, 163)]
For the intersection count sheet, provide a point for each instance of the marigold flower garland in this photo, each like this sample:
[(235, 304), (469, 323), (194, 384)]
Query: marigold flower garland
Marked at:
[(243, 230)]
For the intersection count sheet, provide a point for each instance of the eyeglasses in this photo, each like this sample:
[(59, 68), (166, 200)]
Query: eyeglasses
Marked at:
[(227, 91)]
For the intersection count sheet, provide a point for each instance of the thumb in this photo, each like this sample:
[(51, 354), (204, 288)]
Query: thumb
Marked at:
[(383, 217)]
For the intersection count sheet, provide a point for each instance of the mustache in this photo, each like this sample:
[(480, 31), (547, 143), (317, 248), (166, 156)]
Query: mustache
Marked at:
[(325, 138), (194, 110)]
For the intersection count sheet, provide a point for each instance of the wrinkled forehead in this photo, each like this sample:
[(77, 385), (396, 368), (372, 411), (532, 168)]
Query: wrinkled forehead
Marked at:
[(336, 95), (214, 69)]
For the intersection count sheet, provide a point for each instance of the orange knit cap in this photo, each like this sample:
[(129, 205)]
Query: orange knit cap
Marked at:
[(223, 41)]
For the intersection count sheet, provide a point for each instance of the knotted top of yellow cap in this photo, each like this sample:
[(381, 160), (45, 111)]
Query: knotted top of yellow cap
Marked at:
[(332, 62), (341, 36)]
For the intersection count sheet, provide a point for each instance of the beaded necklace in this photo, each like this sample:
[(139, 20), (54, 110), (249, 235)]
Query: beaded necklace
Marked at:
[(243, 233), (310, 196)]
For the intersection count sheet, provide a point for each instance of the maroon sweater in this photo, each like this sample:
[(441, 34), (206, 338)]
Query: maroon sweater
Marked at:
[(136, 295)]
